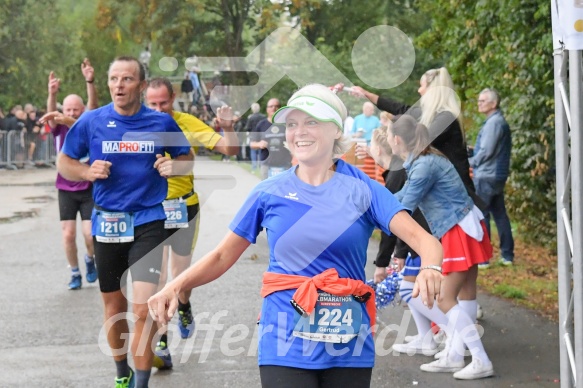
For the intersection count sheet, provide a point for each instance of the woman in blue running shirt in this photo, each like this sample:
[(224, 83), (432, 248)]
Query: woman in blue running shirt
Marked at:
[(436, 188), (318, 216)]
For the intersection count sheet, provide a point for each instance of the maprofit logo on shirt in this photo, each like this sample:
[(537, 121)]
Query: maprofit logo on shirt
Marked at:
[(127, 147)]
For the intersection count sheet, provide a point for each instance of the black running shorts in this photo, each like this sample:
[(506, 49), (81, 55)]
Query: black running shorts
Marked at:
[(182, 240), (143, 257), (73, 202), (273, 376)]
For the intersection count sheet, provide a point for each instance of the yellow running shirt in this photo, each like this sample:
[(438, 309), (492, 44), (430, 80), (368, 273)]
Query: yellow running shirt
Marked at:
[(198, 134)]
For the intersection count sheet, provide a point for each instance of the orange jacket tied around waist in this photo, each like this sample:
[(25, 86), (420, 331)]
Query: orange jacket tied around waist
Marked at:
[(328, 281)]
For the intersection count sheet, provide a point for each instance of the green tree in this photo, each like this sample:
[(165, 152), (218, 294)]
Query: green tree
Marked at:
[(29, 42), (334, 26), (181, 29)]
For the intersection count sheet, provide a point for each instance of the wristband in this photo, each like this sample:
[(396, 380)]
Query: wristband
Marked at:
[(433, 267), (90, 82)]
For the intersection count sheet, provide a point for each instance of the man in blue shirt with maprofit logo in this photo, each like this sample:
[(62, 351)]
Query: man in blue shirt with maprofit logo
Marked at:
[(126, 143)]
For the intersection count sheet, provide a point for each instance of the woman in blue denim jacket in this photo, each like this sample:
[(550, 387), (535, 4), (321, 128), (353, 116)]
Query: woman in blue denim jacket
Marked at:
[(436, 188), (408, 261)]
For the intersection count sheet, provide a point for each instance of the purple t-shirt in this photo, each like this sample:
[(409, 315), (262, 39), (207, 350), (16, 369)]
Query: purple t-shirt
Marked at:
[(59, 133)]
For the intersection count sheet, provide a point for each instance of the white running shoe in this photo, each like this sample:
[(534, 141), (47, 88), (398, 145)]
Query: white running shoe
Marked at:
[(416, 347), (445, 350), (411, 338), (475, 370), (443, 365), (441, 354)]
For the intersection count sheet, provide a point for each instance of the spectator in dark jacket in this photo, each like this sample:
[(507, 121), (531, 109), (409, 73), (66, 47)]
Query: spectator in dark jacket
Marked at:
[(186, 90), (491, 164)]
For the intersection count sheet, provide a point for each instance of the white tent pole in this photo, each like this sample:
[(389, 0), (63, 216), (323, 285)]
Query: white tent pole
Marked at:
[(563, 221), (576, 100)]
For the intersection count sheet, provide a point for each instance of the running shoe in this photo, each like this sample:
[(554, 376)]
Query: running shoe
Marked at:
[(162, 358), (477, 369), (75, 282), (443, 365), (126, 382), (416, 347), (91, 274), (186, 323)]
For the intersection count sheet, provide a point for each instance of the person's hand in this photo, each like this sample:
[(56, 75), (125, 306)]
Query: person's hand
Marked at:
[(163, 305), (54, 83), (263, 144), (225, 117), (36, 129), (58, 118), (380, 274), (338, 87), (428, 285), (163, 165), (361, 151), (99, 169), (359, 92), (87, 70), (400, 263)]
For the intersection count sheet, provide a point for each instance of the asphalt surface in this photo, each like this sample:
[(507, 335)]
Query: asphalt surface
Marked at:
[(52, 337)]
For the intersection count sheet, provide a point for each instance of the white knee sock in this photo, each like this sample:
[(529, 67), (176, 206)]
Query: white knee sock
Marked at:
[(423, 324), (465, 333), (470, 307), (415, 304)]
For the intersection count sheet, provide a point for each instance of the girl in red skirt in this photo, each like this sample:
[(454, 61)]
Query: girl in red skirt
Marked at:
[(435, 187)]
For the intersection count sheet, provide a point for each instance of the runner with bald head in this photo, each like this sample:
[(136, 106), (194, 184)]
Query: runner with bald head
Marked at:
[(74, 197)]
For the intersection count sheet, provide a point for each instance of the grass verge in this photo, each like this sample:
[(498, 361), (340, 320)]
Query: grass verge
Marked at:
[(531, 282)]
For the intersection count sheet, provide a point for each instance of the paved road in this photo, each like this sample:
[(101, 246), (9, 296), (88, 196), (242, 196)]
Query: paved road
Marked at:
[(51, 337)]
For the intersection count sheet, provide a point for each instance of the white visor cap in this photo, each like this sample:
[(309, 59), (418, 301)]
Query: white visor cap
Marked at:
[(312, 106)]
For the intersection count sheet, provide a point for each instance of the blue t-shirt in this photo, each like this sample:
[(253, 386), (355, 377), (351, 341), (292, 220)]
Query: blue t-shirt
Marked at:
[(131, 144), (368, 124), (311, 229)]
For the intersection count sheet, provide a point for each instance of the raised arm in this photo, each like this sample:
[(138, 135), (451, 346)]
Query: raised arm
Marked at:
[(360, 92), (58, 118), (229, 143), (53, 89), (89, 75)]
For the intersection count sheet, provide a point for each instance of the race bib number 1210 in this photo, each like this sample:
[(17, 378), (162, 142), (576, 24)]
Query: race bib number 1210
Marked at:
[(114, 227)]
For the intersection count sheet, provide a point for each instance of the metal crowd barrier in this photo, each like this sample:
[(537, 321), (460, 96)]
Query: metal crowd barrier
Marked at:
[(3, 149), (16, 150)]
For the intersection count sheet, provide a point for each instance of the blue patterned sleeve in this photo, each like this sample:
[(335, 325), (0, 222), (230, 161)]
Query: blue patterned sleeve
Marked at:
[(384, 206), (248, 220)]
